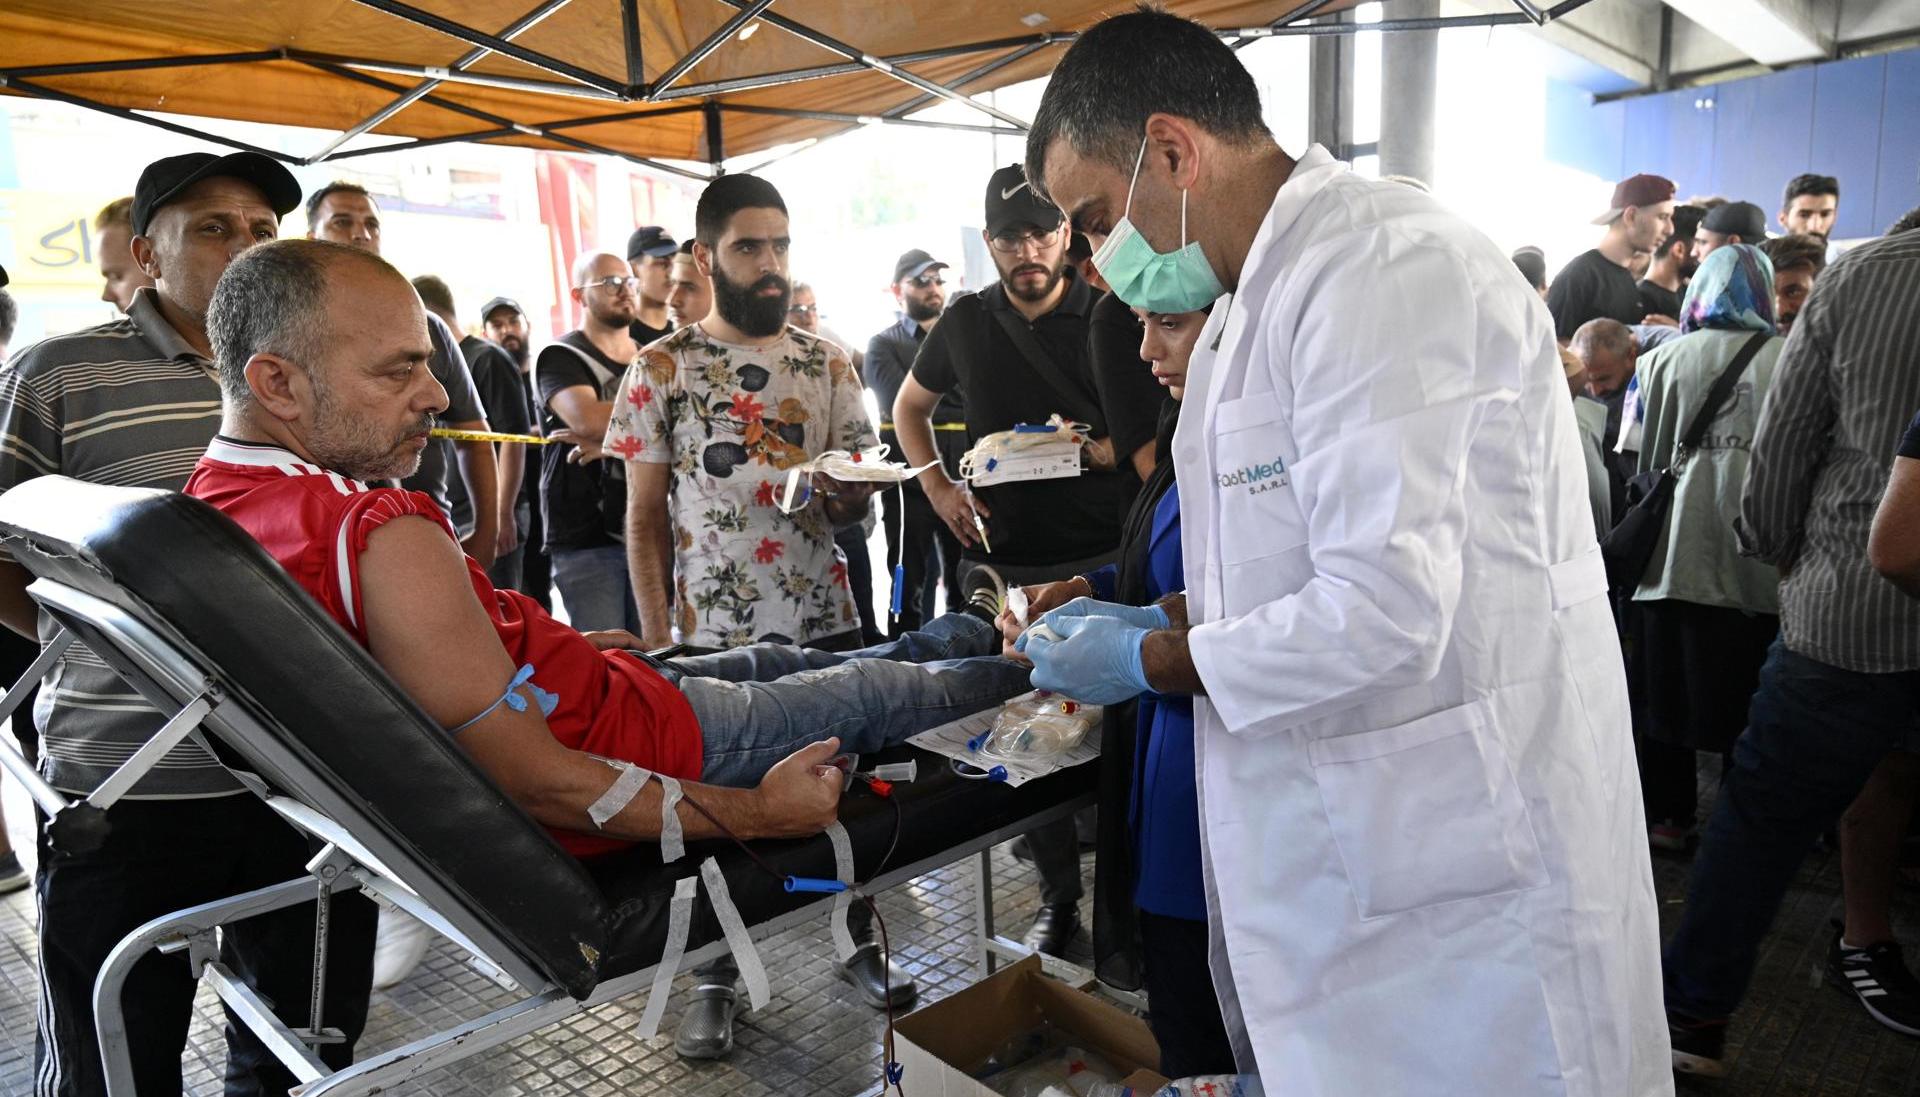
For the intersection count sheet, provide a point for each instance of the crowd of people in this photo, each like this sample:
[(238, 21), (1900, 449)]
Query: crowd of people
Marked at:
[(1759, 631), (1356, 598)]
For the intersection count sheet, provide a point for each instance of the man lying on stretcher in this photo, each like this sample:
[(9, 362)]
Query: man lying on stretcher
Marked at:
[(322, 355)]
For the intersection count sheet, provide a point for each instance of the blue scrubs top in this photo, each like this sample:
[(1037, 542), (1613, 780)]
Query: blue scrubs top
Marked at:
[(1165, 812)]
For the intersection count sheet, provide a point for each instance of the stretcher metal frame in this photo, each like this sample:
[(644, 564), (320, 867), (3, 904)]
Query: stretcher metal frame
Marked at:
[(355, 855)]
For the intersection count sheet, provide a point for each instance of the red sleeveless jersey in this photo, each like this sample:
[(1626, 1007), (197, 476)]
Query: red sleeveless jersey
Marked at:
[(316, 523)]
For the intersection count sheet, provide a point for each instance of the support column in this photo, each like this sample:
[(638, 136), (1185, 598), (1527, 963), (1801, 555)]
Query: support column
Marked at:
[(716, 136), (1409, 83), (1330, 90)]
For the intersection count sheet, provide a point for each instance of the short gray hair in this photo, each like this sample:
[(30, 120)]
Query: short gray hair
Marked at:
[(1602, 334), (273, 300)]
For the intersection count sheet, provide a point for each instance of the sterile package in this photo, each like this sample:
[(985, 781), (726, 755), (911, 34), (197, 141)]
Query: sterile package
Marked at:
[(1037, 728), (1030, 451), (961, 741), (1045, 1062), (868, 465)]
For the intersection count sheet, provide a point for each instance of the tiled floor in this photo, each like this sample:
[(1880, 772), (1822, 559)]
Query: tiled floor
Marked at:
[(1795, 1039)]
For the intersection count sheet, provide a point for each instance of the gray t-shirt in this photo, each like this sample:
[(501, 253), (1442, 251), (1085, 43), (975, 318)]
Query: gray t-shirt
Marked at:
[(128, 403)]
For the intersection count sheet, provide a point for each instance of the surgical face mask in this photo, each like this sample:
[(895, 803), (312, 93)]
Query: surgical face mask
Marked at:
[(1179, 281)]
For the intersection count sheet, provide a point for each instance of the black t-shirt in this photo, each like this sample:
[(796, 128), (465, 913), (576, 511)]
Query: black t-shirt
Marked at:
[(585, 505), (1910, 445), (439, 467), (507, 400), (1592, 286), (1129, 396), (1657, 300), (644, 333), (1034, 522)]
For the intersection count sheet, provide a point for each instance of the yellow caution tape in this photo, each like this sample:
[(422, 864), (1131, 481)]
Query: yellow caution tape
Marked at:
[(490, 436)]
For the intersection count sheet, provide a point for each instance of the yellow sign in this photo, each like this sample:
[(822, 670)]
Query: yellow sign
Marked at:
[(51, 238)]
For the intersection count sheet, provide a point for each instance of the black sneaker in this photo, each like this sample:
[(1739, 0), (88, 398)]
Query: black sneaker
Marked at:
[(1699, 1047), (1879, 978), (984, 592)]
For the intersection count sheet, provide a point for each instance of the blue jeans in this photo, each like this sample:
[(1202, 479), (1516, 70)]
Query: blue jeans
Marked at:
[(759, 703), (596, 588), (1814, 735)]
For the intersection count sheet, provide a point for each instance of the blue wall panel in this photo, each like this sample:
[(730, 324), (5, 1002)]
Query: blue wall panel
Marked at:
[(1763, 136), (1846, 138), (1858, 120), (1582, 134), (1671, 134), (1899, 185)]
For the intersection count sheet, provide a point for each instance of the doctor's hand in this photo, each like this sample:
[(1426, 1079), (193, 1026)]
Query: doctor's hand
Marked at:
[(1096, 660), (1146, 617)]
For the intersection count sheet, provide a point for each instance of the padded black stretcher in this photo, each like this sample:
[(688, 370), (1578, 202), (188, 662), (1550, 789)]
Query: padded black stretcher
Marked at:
[(298, 702)]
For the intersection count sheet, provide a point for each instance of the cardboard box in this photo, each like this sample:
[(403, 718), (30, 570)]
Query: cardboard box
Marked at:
[(940, 1047)]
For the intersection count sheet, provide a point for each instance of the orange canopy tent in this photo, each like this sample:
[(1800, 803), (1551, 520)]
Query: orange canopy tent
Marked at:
[(693, 81)]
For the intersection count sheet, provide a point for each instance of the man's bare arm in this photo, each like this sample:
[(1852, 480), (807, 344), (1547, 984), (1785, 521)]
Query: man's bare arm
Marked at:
[(1894, 545), (481, 474), (512, 465), (913, 424), (1175, 605), (650, 548), (426, 628), (582, 410)]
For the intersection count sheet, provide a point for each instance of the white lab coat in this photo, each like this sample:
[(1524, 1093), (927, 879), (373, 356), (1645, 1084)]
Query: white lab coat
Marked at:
[(1426, 860)]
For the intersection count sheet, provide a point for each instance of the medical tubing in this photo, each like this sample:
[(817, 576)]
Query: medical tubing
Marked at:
[(511, 698), (810, 884)]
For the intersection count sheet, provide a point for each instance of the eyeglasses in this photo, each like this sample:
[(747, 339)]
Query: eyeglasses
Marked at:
[(1010, 242), (925, 280), (803, 310), (615, 283)]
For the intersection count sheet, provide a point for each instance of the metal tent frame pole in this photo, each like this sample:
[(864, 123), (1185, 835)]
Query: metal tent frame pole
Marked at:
[(712, 42), (496, 44), (413, 94)]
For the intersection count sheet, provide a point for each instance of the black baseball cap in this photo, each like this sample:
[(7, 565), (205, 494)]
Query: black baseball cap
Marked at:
[(487, 310), (1742, 219), (164, 180), (3, 278), (1011, 201), (651, 241), (914, 264)]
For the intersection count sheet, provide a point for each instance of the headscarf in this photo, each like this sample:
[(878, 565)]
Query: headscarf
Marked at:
[(1732, 291)]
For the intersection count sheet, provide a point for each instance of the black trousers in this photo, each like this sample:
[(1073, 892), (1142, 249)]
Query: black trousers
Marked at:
[(932, 555), (1182, 1009), (853, 545), (162, 856)]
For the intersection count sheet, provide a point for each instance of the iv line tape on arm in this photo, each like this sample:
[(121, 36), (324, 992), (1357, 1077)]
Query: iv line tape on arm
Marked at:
[(679, 922), (752, 971), (673, 844), (619, 794), (870, 465), (842, 871)]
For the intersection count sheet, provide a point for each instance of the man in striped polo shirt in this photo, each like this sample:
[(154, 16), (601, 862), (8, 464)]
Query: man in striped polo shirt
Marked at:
[(135, 402)]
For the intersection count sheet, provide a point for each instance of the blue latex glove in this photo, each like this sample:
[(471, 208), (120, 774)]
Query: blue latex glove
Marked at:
[(1096, 659), (1147, 617)]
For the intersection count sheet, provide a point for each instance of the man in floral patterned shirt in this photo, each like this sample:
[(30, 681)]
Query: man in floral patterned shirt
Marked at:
[(709, 420)]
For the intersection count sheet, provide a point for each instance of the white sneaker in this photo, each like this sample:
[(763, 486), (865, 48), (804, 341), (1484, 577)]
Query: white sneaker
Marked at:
[(398, 947)]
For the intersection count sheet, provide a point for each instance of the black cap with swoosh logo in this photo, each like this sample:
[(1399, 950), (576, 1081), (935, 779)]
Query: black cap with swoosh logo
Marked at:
[(1011, 203)]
